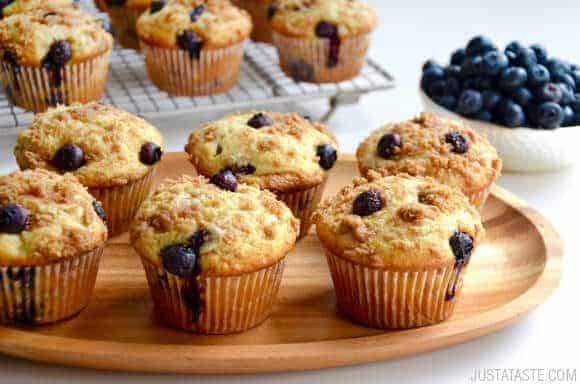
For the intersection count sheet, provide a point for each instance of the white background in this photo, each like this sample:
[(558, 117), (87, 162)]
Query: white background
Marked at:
[(410, 32)]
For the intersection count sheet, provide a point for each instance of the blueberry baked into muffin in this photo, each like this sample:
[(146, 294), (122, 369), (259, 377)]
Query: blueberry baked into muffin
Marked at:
[(262, 12), (281, 152), (427, 145), (52, 235), (53, 56), (193, 47), (398, 248), (12, 7), (112, 152), (123, 15), (322, 41), (213, 252)]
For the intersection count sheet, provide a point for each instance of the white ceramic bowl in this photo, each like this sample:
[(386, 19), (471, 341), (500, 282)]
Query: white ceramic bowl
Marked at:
[(523, 149)]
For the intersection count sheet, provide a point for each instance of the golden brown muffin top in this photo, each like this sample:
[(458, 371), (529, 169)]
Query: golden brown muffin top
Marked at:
[(19, 6), (430, 147), (245, 230), (281, 156), (111, 141), (299, 18), (29, 36), (217, 22), (396, 222), (61, 220)]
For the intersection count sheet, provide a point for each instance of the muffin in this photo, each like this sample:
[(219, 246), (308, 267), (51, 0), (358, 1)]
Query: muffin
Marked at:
[(112, 152), (322, 41), (53, 56), (398, 248), (281, 152), (261, 12), (52, 237), (427, 145), (123, 15), (8, 8), (193, 47), (213, 252)]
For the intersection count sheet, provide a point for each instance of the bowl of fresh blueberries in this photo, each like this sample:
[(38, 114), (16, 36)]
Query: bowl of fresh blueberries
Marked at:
[(524, 100)]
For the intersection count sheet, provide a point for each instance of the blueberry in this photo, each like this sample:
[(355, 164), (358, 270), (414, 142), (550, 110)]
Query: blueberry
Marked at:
[(4, 4), (325, 29), (454, 71), (541, 53), (156, 6), (576, 76), (389, 145), (575, 104), (459, 143), (196, 12), (116, 2), (225, 179), (301, 71), (68, 158), (430, 64), (430, 75), (512, 78), (514, 46), (469, 103), (556, 66), (531, 111), (58, 55), (458, 56), (106, 25), (367, 203), (525, 58), (512, 57), (272, 9), (566, 79), (511, 114), (549, 92), (472, 66), (246, 169), (490, 99), (447, 102), (567, 94), (260, 120), (437, 88), (327, 155), (10, 57), (13, 218), (550, 115), (452, 86), (179, 260), (462, 246), (538, 75), (494, 62), (150, 153), (568, 116), (484, 115), (576, 119), (190, 42), (483, 83), (99, 210), (197, 239), (522, 96), (479, 45)]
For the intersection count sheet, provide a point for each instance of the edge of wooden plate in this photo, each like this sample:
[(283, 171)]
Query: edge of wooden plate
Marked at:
[(120, 356)]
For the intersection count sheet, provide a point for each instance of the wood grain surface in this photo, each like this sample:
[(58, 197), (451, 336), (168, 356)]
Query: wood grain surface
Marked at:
[(515, 269)]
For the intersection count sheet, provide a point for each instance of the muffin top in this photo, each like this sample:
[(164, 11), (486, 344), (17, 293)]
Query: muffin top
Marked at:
[(101, 145), (45, 217), (399, 222), (52, 37), (12, 7), (186, 23), (277, 151), (445, 149), (301, 18), (232, 229)]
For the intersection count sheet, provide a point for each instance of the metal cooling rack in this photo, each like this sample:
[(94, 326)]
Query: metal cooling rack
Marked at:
[(261, 83)]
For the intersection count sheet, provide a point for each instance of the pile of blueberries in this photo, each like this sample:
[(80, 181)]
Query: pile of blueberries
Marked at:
[(519, 87)]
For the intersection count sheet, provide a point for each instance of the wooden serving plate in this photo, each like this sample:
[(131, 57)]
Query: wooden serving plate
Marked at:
[(516, 269)]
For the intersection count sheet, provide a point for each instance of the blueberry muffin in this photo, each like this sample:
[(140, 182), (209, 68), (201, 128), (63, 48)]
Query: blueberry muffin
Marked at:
[(322, 41), (281, 152), (398, 248), (52, 236), (123, 15), (427, 145), (262, 12), (12, 7), (53, 56), (213, 252), (193, 47), (112, 152)]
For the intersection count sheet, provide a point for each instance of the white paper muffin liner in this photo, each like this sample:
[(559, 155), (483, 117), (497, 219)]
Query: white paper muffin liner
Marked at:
[(230, 304), (42, 294)]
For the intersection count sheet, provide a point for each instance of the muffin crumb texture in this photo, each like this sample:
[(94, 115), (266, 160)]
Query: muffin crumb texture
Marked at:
[(11, 7), (243, 231), (409, 227), (46, 217)]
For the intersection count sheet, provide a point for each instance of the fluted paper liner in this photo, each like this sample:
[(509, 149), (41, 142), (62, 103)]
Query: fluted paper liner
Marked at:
[(42, 294), (121, 202), (311, 56), (394, 299), (32, 88), (230, 304), (174, 71), (123, 20)]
